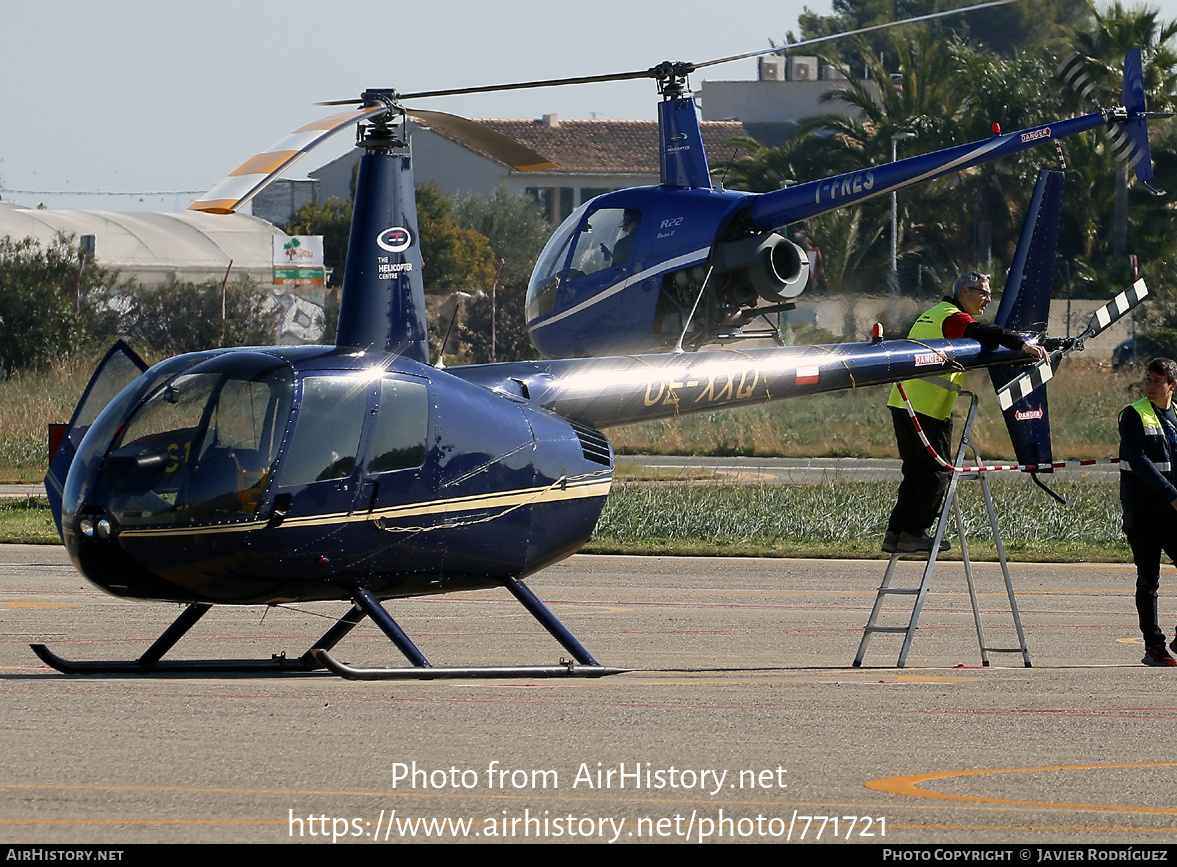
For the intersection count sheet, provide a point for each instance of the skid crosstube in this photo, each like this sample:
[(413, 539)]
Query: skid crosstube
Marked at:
[(365, 604)]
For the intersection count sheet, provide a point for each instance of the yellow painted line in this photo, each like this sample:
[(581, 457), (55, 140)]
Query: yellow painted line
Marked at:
[(6, 605), (193, 530), (910, 785)]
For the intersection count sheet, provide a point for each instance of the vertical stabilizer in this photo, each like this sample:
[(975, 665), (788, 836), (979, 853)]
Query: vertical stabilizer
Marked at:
[(1135, 150), (1025, 306)]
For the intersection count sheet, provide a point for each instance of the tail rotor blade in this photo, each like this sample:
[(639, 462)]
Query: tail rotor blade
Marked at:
[(1073, 70), (1103, 318), (1038, 375)]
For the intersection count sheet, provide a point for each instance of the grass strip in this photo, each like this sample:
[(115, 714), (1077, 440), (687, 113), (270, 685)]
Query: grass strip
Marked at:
[(27, 521), (830, 520), (848, 519)]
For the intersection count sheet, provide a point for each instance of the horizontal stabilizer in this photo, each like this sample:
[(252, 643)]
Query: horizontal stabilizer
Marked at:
[(1129, 133), (1135, 151)]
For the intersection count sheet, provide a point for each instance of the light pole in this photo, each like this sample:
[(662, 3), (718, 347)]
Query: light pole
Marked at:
[(894, 276)]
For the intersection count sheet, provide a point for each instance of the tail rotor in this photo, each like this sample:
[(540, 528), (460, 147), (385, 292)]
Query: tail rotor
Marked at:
[(1127, 129), (1102, 319)]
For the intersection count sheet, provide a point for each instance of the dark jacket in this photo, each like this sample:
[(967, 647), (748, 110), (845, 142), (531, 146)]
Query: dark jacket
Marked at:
[(1147, 477)]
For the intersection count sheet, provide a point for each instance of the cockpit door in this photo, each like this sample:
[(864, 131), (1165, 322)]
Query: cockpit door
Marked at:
[(357, 448), (316, 483), (118, 369)]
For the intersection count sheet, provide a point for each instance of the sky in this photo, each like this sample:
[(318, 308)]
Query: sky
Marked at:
[(150, 102)]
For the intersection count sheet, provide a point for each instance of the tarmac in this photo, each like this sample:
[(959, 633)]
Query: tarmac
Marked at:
[(741, 718)]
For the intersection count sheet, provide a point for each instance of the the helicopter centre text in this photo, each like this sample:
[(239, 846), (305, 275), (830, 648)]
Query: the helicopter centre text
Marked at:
[(387, 270)]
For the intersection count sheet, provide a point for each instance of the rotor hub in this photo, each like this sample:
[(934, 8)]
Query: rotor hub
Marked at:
[(672, 78), (386, 132)]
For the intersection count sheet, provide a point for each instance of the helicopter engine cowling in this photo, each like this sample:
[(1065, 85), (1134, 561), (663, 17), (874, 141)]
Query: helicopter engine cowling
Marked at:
[(775, 267)]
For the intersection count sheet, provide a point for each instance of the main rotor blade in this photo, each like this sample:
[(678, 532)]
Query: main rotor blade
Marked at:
[(790, 46), (501, 147), (685, 68), (547, 82), (253, 175)]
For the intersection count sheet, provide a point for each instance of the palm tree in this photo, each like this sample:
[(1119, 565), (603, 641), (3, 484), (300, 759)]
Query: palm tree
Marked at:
[(921, 100)]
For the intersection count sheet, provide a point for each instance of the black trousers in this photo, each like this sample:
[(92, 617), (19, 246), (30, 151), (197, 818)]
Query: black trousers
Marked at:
[(921, 493), (1149, 534)]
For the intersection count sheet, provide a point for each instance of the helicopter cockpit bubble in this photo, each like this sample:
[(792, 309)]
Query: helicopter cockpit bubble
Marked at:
[(198, 447), (549, 268), (603, 241)]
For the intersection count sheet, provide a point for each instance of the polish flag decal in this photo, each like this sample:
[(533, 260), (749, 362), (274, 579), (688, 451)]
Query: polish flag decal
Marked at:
[(807, 375)]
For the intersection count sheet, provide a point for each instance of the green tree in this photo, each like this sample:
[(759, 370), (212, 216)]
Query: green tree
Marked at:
[(1102, 45), (517, 233), (931, 104), (513, 226), (454, 257), (52, 305), (1042, 25), (186, 317)]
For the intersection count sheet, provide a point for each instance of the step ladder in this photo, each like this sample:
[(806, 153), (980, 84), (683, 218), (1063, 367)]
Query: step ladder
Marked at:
[(951, 507)]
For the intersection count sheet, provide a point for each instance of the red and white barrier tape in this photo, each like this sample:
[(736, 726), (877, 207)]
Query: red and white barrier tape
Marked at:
[(1024, 468)]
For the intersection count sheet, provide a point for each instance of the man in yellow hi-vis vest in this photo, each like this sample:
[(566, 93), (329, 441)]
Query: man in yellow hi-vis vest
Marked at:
[(1148, 493), (921, 492)]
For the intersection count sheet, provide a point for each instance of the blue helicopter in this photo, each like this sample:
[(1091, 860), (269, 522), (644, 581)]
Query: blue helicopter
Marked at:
[(686, 263), (360, 472)]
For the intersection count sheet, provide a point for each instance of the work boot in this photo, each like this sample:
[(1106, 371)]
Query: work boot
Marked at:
[(891, 542)]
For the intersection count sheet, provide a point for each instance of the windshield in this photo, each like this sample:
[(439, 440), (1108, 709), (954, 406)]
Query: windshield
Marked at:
[(201, 447), (545, 279)]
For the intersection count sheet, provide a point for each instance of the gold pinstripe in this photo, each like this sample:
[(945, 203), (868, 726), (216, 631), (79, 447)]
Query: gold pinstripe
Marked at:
[(497, 500)]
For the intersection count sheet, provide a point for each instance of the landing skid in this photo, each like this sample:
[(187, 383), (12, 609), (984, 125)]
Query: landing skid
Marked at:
[(318, 656), (564, 669)]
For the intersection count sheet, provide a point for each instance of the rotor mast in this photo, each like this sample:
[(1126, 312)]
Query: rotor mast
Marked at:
[(382, 306), (682, 160)]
